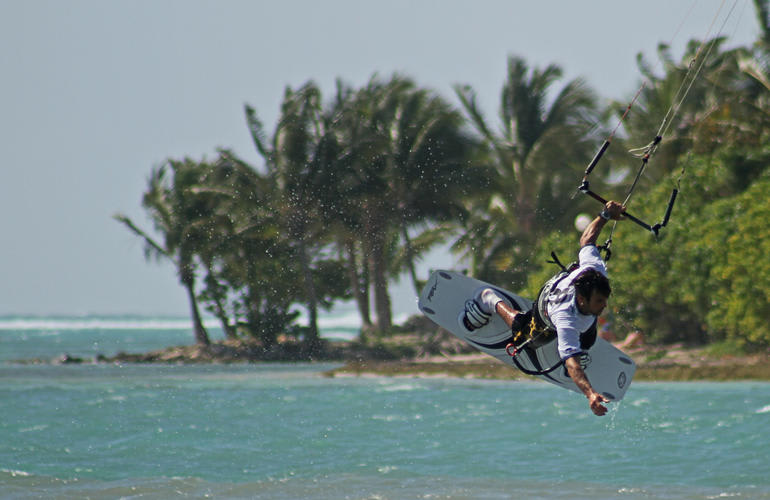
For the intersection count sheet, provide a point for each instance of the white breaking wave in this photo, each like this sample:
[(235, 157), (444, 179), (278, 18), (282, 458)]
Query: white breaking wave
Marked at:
[(97, 323), (336, 324), (344, 318)]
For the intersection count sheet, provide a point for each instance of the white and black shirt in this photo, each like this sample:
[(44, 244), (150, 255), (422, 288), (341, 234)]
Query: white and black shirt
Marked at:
[(562, 307)]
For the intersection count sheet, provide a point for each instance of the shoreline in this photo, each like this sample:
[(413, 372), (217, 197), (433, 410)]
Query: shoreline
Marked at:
[(415, 356), (495, 370), (659, 364)]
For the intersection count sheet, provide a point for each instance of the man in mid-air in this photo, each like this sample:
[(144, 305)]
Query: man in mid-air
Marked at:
[(568, 306)]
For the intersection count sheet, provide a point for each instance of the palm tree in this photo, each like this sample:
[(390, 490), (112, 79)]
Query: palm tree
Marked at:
[(251, 272), (176, 217), (231, 186), (431, 174), (756, 64), (341, 198), (697, 105), (295, 158), (545, 140), (402, 167)]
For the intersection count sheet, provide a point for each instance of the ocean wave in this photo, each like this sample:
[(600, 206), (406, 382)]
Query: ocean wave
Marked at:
[(52, 324), (341, 324)]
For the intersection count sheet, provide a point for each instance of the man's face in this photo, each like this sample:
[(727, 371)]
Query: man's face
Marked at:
[(593, 306)]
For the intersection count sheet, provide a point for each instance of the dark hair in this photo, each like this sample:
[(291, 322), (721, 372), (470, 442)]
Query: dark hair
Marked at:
[(590, 280)]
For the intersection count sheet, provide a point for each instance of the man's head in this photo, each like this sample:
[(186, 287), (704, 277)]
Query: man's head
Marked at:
[(593, 290)]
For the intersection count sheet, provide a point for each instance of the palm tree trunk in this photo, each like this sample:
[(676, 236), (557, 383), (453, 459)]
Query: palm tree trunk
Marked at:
[(227, 327), (359, 286), (230, 331), (378, 268), (410, 257), (219, 307), (201, 335), (310, 291), (523, 206)]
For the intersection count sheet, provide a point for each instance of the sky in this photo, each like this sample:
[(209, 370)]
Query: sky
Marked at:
[(95, 93)]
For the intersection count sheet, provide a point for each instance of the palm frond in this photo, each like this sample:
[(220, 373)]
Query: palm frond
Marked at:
[(256, 129), (151, 246)]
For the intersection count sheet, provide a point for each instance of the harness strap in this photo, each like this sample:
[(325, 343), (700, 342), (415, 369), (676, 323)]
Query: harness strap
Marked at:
[(540, 308), (545, 371), (514, 348), (556, 261)]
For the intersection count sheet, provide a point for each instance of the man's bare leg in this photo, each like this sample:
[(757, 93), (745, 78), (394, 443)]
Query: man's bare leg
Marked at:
[(485, 303), (506, 312)]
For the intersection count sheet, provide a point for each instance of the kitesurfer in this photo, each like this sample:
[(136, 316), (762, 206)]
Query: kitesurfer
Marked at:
[(569, 303)]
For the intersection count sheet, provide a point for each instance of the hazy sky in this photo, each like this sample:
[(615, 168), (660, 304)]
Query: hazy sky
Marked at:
[(94, 93)]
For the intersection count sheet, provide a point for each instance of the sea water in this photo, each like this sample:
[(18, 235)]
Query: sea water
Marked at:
[(289, 431)]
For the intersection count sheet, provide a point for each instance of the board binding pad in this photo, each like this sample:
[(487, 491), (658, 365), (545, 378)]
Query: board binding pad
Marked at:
[(443, 299)]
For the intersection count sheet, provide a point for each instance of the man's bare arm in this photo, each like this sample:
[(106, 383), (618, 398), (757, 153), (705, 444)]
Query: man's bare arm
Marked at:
[(595, 399), (614, 211)]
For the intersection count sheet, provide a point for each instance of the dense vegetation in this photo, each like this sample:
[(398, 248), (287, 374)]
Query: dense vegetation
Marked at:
[(355, 189)]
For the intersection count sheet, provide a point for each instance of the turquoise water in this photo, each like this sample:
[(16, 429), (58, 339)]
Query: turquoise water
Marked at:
[(287, 431)]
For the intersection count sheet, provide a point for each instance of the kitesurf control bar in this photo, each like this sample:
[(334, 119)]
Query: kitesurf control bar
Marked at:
[(648, 152), (584, 188)]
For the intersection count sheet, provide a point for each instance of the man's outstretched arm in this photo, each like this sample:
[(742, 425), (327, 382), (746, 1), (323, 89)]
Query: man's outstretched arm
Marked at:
[(613, 210), (578, 376)]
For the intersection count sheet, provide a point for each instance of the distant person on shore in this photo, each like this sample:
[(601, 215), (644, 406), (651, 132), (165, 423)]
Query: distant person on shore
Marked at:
[(605, 329), (634, 339), (568, 305)]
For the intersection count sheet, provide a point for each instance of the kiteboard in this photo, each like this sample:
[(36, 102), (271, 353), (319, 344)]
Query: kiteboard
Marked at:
[(443, 300)]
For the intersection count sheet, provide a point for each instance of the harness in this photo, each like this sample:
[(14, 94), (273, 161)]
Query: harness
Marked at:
[(540, 330)]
